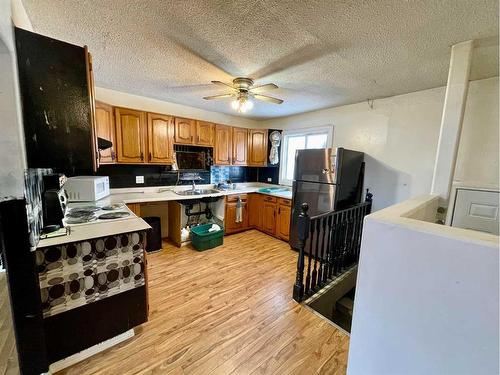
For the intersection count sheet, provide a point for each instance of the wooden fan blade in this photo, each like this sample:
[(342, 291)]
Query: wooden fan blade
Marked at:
[(263, 88), (269, 99), (221, 96), (219, 83)]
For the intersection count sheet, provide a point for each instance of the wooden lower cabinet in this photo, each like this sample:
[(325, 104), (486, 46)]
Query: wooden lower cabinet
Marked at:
[(135, 208), (266, 213), (283, 222), (255, 202), (269, 215), (230, 224)]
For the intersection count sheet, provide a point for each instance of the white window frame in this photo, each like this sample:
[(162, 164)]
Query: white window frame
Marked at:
[(305, 132)]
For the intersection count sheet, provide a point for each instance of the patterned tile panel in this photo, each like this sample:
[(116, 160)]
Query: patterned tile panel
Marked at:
[(78, 273)]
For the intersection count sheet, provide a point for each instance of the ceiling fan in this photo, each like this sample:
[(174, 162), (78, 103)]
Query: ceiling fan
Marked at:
[(242, 90)]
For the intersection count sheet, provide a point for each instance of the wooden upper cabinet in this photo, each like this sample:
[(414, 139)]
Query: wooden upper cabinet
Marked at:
[(160, 139), (257, 145), (204, 133), (240, 146), (223, 145), (185, 130), (105, 128), (130, 135)]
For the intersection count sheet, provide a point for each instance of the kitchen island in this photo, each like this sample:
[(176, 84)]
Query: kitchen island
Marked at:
[(93, 284)]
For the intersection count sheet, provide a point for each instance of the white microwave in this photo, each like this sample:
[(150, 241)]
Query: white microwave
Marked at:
[(86, 188)]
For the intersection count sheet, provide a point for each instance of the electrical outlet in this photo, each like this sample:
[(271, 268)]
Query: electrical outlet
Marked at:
[(139, 179), (269, 179)]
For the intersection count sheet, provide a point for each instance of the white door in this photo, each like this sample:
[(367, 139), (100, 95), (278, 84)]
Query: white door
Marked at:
[(477, 210)]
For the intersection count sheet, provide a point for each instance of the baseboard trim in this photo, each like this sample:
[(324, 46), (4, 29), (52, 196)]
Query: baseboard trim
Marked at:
[(89, 352)]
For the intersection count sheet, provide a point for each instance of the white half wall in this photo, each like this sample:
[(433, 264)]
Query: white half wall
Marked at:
[(427, 296), (123, 99)]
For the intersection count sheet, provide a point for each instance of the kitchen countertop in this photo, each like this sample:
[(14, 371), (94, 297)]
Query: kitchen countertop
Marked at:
[(96, 230), (166, 193), (144, 195)]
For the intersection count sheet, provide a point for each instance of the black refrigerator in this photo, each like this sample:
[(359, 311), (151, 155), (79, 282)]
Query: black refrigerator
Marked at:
[(326, 179)]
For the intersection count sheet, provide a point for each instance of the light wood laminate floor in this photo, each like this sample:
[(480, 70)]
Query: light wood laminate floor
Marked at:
[(225, 311)]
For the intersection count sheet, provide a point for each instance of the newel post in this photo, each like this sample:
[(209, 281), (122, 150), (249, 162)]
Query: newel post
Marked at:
[(369, 199), (303, 231)]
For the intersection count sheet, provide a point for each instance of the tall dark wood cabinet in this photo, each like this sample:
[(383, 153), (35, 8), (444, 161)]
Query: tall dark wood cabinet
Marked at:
[(55, 81)]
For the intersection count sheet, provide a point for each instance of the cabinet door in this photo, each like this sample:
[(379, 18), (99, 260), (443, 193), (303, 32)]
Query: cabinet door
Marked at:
[(135, 208), (160, 139), (105, 128), (255, 210), (269, 217), (185, 130), (204, 133), (240, 146), (283, 228), (257, 144), (230, 224), (223, 145), (130, 135)]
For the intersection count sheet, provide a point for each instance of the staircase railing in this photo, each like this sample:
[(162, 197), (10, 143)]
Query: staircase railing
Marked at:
[(328, 244)]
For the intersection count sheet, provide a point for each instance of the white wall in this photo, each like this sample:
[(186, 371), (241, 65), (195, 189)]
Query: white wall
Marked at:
[(427, 298), (400, 135), (123, 99), (478, 152)]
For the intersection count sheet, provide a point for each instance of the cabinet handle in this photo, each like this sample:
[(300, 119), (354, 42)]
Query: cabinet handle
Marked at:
[(150, 158), (113, 155), (142, 155)]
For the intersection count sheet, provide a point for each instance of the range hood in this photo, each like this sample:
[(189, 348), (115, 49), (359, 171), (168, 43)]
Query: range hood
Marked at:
[(103, 144)]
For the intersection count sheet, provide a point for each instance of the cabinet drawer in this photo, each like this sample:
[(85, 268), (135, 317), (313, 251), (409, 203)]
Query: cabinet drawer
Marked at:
[(234, 197), (285, 202), (268, 198)]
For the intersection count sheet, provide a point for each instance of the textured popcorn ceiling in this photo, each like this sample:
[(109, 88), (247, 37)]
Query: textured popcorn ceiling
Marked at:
[(320, 53)]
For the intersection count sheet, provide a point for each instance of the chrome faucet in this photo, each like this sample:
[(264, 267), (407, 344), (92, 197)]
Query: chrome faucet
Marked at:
[(193, 186)]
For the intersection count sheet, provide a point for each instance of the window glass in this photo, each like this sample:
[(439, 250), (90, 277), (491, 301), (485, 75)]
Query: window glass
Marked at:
[(294, 143), (299, 140), (317, 140)]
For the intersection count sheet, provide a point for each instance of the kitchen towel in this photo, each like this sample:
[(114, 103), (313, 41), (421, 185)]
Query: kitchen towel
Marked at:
[(239, 211)]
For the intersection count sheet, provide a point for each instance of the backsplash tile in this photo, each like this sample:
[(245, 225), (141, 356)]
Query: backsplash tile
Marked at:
[(123, 176)]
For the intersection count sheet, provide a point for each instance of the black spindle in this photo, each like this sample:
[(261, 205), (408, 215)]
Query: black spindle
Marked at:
[(310, 255)]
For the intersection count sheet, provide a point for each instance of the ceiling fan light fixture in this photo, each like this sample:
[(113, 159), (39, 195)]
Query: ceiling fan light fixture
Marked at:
[(242, 91), (242, 104)]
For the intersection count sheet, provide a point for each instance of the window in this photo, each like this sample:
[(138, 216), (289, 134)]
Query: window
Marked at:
[(294, 140)]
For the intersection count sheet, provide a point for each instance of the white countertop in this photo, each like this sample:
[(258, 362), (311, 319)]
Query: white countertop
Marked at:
[(144, 195), (96, 230), (167, 193)]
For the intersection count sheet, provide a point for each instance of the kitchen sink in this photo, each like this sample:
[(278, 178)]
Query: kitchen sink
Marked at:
[(197, 192)]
